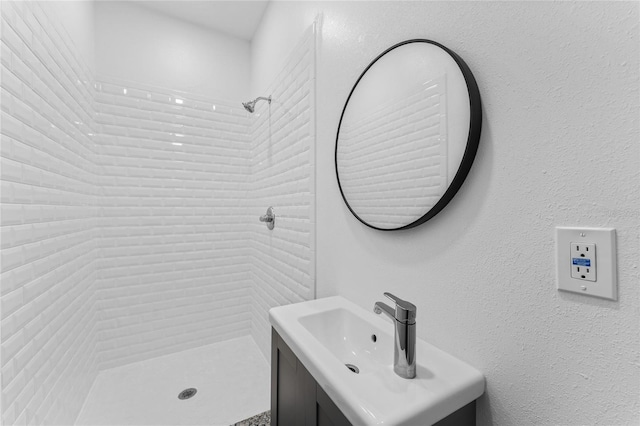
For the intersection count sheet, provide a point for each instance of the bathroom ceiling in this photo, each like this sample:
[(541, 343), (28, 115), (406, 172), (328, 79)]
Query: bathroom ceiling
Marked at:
[(235, 18)]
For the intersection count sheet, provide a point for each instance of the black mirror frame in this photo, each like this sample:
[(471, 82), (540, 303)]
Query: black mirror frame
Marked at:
[(473, 139)]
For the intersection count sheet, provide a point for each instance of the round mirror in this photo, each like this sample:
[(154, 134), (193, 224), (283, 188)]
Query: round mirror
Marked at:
[(408, 134)]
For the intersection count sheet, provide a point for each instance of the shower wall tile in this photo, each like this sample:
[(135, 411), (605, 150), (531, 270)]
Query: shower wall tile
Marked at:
[(173, 262), (282, 164), (129, 216), (48, 225)]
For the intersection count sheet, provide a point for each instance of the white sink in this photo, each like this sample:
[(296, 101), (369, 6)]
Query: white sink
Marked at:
[(349, 338), (325, 334)]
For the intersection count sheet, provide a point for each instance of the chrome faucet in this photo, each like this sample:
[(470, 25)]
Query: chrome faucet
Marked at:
[(404, 316)]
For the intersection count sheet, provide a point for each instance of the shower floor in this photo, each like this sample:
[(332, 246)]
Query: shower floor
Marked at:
[(232, 379)]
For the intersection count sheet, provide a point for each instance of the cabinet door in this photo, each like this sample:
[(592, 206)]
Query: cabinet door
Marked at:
[(328, 414), (293, 389)]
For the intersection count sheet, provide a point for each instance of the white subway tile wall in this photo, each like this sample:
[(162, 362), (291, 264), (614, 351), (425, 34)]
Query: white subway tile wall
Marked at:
[(49, 218), (392, 156), (129, 216), (173, 265), (282, 176)]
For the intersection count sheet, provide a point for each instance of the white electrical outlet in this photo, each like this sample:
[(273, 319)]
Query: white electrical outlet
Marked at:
[(586, 261), (583, 261)]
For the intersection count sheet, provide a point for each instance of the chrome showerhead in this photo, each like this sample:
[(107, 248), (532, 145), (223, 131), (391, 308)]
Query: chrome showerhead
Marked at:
[(251, 105)]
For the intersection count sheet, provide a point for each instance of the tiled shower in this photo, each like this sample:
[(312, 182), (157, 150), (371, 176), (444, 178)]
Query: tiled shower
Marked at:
[(130, 216)]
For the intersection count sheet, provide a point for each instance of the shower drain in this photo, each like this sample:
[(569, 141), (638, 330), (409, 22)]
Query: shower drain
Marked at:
[(187, 393), (353, 368)]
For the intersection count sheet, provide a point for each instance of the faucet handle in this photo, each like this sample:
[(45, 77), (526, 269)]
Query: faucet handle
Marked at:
[(405, 311)]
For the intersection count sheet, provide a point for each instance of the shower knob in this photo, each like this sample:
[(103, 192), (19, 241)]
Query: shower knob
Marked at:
[(269, 219)]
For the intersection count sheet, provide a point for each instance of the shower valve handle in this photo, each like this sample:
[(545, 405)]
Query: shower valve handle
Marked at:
[(269, 219)]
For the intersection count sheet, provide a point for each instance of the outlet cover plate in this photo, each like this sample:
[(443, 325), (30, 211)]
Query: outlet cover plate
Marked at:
[(605, 285)]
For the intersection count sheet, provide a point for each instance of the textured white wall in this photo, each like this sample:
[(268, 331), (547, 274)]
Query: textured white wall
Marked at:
[(559, 83), (282, 163), (138, 44), (47, 284)]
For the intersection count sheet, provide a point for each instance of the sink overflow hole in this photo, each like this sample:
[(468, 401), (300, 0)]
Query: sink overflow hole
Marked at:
[(353, 368), (374, 338), (187, 393)]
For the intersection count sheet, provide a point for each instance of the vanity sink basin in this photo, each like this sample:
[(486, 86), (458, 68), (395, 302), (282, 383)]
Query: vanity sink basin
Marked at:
[(349, 351), (350, 339)]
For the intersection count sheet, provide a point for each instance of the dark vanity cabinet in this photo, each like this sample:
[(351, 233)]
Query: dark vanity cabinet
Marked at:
[(298, 400)]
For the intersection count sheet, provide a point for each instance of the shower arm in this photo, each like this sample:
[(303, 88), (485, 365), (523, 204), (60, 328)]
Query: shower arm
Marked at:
[(251, 105)]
